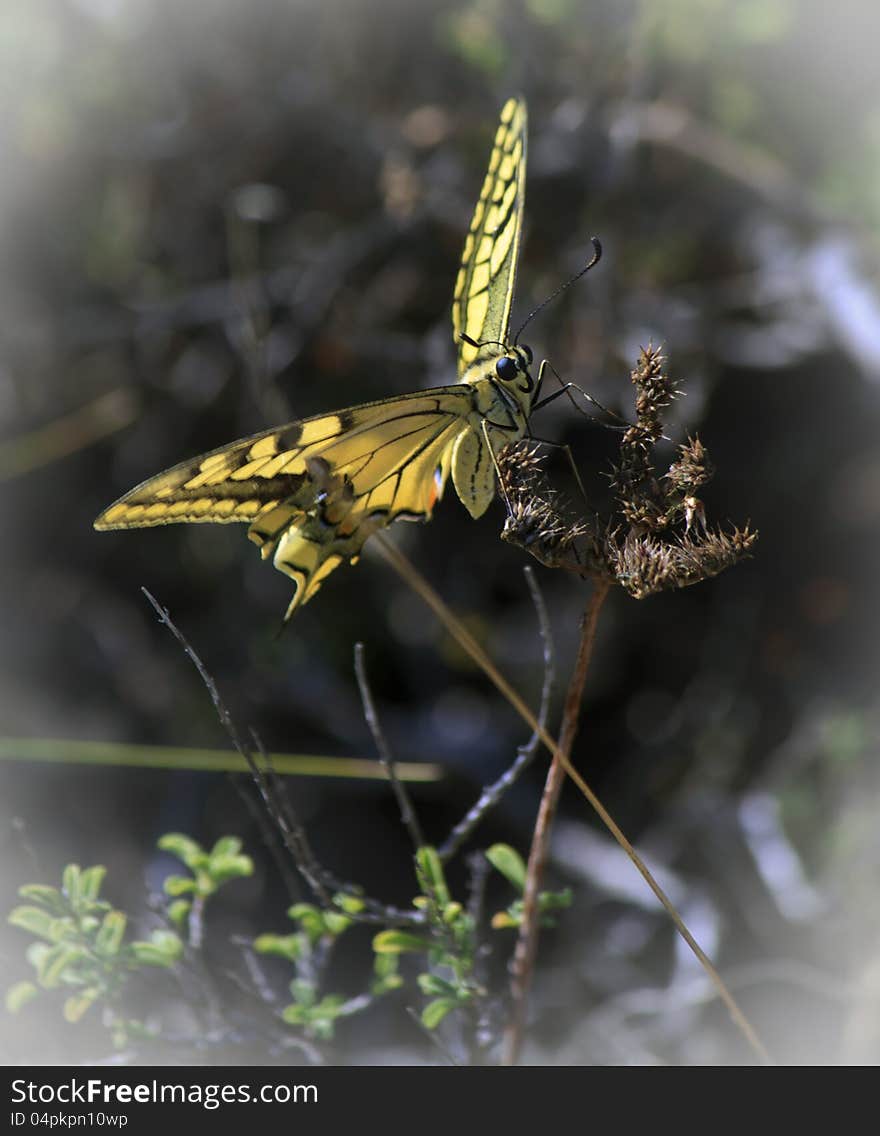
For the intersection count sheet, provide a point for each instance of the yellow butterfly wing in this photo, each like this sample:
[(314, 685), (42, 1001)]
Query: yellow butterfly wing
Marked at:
[(313, 491), (484, 287)]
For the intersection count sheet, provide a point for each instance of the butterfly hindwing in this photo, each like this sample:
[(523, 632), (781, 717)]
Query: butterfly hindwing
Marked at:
[(484, 288), (314, 491)]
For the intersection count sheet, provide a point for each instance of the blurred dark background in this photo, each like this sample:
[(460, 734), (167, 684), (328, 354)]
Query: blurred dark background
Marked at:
[(215, 217)]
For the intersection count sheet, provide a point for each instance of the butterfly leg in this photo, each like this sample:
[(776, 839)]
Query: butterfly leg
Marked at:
[(487, 441), (556, 445), (566, 389), (566, 449)]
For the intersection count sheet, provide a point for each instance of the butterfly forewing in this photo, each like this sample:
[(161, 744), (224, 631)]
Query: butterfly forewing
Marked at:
[(486, 279)]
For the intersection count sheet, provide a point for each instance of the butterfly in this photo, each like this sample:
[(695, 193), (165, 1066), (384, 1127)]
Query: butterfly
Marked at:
[(313, 491)]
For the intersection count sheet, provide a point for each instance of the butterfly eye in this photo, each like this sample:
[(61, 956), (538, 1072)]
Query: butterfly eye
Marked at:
[(507, 369)]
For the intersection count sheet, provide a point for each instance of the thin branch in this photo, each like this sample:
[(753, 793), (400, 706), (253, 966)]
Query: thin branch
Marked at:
[(270, 837), (278, 807), (523, 965), (407, 812), (260, 984), (292, 839), (222, 713), (196, 922), (525, 753), (292, 836), (321, 881), (483, 1034)]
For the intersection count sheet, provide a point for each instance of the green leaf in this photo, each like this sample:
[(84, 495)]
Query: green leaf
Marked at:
[(321, 1028), (91, 881), (63, 928), (547, 901), (310, 918), (385, 965), (387, 978), (19, 995), (291, 947), (179, 885), (226, 846), (386, 985), (394, 941), (111, 933), (149, 954), (36, 953), (49, 897), (439, 957), (205, 883), (434, 986), (336, 922), (509, 863), (452, 911), (184, 848), (70, 883), (554, 900), (223, 868), (330, 1005), (463, 931), (55, 962), (163, 948), (304, 992), (32, 919), (77, 1004), (351, 904), (299, 910), (434, 1013), (167, 942), (430, 874), (178, 911)]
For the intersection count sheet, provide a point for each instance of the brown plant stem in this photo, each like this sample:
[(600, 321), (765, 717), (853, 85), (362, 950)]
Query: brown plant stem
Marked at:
[(523, 964)]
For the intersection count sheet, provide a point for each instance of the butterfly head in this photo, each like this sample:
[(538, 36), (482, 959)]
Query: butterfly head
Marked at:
[(512, 369)]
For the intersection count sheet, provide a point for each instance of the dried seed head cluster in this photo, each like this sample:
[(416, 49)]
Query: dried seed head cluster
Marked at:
[(658, 539), (541, 521)]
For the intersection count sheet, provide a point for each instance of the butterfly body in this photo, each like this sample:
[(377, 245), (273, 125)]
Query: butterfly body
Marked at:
[(313, 491), (500, 416)]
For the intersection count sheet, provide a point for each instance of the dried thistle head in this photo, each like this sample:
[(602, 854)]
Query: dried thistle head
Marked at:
[(659, 537), (646, 564), (539, 519)]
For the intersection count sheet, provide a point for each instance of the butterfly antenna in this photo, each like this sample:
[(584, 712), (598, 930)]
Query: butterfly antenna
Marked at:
[(597, 256), (465, 338)]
